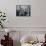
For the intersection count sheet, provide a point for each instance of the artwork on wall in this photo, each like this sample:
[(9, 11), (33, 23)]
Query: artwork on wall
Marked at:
[(23, 10)]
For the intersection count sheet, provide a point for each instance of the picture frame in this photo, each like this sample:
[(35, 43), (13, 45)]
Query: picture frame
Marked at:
[(23, 10)]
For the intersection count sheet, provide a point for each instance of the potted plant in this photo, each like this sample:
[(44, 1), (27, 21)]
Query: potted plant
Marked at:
[(2, 19)]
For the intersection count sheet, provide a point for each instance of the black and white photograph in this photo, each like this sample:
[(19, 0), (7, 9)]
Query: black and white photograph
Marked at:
[(23, 10)]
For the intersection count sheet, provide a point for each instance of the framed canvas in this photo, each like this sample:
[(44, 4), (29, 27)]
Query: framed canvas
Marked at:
[(23, 10)]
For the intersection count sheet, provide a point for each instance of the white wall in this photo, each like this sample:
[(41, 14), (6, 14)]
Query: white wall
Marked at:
[(38, 13), (37, 18)]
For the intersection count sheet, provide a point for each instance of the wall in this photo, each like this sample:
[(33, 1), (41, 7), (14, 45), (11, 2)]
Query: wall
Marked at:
[(37, 18), (38, 13)]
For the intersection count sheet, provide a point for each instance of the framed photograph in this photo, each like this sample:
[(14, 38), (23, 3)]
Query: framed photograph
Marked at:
[(23, 10)]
